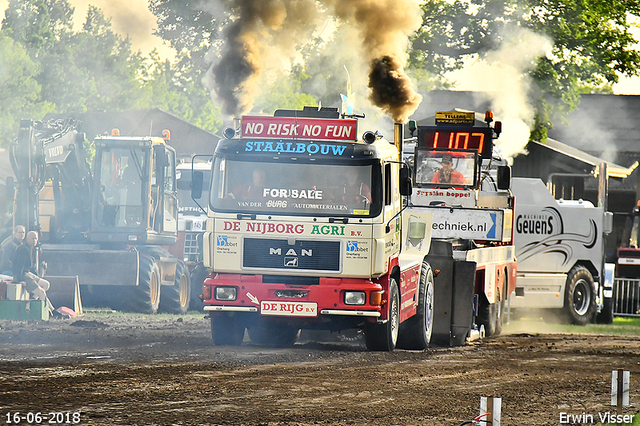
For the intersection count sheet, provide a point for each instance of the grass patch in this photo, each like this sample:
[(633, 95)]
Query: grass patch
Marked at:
[(97, 313), (622, 326)]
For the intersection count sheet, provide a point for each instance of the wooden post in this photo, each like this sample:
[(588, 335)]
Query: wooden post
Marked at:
[(492, 406)]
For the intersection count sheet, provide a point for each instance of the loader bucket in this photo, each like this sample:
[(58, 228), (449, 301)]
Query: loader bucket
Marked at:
[(65, 291)]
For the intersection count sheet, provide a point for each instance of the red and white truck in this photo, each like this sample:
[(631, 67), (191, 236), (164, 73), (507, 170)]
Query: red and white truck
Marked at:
[(308, 228)]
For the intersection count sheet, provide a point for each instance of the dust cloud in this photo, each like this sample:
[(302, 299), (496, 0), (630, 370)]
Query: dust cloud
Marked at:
[(500, 77), (268, 32)]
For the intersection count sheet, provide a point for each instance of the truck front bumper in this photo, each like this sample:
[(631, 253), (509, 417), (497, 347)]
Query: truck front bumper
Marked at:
[(294, 300)]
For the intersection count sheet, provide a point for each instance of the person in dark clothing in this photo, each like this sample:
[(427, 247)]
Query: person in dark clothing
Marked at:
[(9, 247), (24, 267)]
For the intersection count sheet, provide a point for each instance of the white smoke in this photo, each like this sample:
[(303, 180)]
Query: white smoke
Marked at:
[(501, 77)]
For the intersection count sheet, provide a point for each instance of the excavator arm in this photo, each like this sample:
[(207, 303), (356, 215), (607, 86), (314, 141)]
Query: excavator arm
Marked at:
[(52, 151)]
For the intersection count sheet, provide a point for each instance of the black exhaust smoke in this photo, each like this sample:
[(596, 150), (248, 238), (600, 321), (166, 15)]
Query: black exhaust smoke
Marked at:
[(261, 26)]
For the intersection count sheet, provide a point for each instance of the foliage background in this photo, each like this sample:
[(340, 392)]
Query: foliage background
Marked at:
[(48, 66)]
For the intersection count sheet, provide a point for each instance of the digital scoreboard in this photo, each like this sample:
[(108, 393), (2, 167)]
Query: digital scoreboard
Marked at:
[(456, 130), (461, 137)]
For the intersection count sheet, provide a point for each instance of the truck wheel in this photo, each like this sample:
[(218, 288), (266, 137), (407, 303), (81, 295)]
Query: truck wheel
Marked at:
[(487, 317), (501, 306), (415, 333), (274, 334), (175, 299), (579, 296), (145, 298), (227, 329), (383, 337), (198, 274), (606, 316)]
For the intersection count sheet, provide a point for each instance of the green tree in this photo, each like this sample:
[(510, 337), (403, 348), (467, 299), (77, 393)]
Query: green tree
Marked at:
[(169, 87), (19, 89), (285, 93), (592, 44), (77, 71), (191, 29)]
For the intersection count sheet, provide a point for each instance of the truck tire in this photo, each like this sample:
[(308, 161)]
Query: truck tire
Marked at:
[(145, 298), (175, 299), (579, 296), (274, 334), (198, 274), (227, 329), (606, 315), (384, 337), (501, 306), (415, 333), (491, 315), (487, 317)]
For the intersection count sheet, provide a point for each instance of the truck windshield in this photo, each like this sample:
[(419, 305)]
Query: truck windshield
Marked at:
[(121, 175), (294, 188), (444, 168), (185, 202)]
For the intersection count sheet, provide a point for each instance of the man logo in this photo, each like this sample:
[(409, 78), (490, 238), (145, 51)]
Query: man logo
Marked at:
[(222, 240), (291, 262), (290, 252), (352, 246)]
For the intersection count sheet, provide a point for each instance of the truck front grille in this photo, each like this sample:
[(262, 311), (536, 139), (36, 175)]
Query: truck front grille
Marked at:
[(300, 256), (192, 246)]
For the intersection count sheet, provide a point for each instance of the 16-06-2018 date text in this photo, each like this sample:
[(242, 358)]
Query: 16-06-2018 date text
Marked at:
[(37, 418)]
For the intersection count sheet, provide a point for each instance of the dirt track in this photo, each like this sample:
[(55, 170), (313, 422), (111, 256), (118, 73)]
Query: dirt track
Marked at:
[(136, 370)]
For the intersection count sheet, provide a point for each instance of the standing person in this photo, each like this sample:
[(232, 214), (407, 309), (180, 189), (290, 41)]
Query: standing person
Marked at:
[(447, 174), (25, 264), (9, 247)]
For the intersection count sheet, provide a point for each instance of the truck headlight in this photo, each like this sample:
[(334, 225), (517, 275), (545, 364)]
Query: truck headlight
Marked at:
[(354, 297), (226, 293)]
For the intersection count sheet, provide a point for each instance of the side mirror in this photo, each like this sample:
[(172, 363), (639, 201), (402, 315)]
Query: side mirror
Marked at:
[(504, 177), (405, 181), (196, 184), (412, 127), (162, 157), (608, 223)]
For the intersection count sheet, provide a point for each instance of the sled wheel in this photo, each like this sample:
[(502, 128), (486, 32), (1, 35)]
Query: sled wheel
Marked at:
[(606, 316), (175, 299), (415, 333), (579, 296), (384, 337)]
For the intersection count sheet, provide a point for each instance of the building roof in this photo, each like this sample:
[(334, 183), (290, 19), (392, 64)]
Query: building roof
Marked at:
[(614, 170), (186, 138), (604, 125)]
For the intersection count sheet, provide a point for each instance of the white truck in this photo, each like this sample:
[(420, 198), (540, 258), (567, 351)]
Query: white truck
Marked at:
[(560, 252), (192, 217)]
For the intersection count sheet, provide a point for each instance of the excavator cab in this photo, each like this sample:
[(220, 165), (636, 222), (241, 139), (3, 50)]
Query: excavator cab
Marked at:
[(135, 201)]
